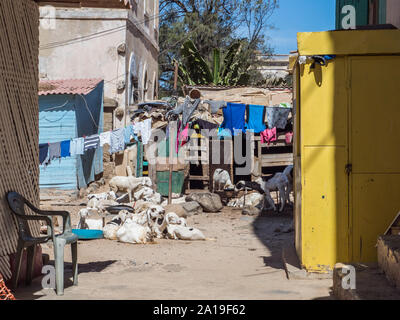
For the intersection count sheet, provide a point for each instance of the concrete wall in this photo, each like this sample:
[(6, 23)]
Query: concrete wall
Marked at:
[(84, 44), (393, 12)]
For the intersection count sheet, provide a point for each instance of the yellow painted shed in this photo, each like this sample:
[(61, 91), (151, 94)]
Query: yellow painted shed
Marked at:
[(347, 145)]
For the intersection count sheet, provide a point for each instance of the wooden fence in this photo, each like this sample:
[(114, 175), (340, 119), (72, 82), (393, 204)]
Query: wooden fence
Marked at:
[(19, 112)]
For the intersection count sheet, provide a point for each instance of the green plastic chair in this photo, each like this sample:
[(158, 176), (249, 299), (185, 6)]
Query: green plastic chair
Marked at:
[(27, 240)]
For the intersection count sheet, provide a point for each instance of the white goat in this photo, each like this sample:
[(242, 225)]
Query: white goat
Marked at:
[(148, 194), (288, 172), (278, 182), (128, 184), (178, 229), (131, 232), (103, 196), (222, 180), (91, 224), (111, 228)]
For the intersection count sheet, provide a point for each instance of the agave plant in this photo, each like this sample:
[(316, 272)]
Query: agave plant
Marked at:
[(194, 70)]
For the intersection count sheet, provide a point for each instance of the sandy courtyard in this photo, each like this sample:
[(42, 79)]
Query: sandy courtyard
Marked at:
[(243, 262)]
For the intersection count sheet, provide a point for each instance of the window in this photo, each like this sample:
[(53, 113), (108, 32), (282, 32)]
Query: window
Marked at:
[(155, 87), (133, 91), (145, 86)]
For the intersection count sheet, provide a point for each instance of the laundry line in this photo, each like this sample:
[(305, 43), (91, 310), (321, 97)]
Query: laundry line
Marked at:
[(117, 139)]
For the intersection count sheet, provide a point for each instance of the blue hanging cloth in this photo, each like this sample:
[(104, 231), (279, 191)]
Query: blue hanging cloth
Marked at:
[(234, 117), (255, 118)]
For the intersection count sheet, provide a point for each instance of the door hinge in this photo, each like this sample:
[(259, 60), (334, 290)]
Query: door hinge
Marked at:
[(349, 168)]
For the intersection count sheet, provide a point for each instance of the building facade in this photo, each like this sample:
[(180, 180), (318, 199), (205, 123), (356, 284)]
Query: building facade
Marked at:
[(114, 40), (367, 12)]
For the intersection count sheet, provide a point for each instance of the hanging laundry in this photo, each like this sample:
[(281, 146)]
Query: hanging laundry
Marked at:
[(117, 141), (224, 132), (77, 146), (43, 152), (144, 128), (92, 142), (127, 134), (289, 137), (133, 134), (54, 152), (215, 105), (268, 135), (234, 117), (255, 118), (182, 138), (105, 138), (186, 109), (65, 148), (277, 117)]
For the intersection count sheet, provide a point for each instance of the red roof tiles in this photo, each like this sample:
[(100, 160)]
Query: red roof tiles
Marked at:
[(70, 86)]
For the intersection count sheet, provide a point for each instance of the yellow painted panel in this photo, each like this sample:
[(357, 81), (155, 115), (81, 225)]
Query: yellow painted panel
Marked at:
[(324, 104), (376, 202), (375, 113), (349, 42), (324, 208)]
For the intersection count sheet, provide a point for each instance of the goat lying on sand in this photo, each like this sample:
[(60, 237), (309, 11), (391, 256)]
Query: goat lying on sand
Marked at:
[(111, 228), (132, 232), (177, 228), (90, 224)]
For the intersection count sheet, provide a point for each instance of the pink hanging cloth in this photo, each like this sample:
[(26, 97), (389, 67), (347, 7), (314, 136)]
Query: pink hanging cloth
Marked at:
[(268, 136), (289, 137), (182, 137)]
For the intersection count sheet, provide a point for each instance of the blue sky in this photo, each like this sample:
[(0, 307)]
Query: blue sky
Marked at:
[(299, 16)]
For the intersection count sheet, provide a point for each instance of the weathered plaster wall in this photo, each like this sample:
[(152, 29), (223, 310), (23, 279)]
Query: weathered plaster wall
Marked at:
[(84, 45), (393, 12)]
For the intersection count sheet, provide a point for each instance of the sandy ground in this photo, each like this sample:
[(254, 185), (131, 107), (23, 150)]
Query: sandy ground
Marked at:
[(244, 262)]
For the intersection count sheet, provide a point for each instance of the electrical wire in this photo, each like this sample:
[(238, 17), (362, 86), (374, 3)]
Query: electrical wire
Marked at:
[(51, 45), (87, 107)]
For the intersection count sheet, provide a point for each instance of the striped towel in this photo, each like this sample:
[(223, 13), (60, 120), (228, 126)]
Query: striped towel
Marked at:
[(92, 142)]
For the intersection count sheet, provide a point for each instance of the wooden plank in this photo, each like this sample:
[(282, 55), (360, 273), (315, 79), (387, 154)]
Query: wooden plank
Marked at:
[(278, 156), (277, 164), (175, 167), (199, 178)]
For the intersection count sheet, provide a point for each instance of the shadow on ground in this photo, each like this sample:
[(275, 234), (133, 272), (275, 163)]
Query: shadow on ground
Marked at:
[(33, 291), (274, 231)]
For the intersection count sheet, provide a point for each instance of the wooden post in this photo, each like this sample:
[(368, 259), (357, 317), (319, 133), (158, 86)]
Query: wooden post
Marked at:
[(172, 130), (176, 79)]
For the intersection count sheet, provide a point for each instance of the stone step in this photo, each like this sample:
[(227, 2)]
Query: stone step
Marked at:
[(293, 269), (370, 284), (389, 258)]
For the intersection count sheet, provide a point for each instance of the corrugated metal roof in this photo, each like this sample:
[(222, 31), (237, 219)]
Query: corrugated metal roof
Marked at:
[(68, 86)]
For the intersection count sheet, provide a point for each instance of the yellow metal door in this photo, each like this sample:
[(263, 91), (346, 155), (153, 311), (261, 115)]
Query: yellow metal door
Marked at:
[(324, 155), (374, 150)]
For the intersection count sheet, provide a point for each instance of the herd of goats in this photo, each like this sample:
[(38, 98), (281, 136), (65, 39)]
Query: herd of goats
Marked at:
[(145, 219)]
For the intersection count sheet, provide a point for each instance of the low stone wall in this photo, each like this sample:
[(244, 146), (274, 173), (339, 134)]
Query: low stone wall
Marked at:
[(389, 258)]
